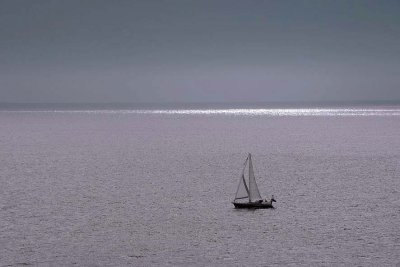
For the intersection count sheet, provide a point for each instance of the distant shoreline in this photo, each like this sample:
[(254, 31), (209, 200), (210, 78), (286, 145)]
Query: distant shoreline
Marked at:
[(179, 106)]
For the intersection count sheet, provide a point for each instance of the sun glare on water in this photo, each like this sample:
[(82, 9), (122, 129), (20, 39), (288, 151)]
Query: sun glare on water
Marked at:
[(269, 112)]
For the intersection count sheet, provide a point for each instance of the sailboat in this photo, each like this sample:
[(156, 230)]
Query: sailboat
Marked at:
[(247, 194)]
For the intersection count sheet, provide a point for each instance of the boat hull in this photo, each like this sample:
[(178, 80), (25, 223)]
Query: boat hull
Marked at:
[(250, 205)]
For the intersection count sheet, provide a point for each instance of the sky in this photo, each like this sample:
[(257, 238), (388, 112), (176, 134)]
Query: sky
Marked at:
[(150, 51)]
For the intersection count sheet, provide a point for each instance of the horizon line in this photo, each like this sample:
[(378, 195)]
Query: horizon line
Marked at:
[(339, 102)]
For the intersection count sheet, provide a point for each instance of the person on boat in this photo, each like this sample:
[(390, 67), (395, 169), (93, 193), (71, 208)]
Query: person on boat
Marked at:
[(271, 200)]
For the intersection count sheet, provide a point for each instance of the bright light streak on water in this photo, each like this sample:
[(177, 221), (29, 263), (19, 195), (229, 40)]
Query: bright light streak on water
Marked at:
[(273, 112), (280, 112)]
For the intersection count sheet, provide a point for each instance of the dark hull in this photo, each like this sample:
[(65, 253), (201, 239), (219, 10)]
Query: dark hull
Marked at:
[(250, 205)]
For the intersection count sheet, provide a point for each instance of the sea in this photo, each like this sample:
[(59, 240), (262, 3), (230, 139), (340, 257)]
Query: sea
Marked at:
[(153, 186)]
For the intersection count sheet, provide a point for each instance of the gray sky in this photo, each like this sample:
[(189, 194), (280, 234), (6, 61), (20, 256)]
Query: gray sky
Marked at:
[(199, 51)]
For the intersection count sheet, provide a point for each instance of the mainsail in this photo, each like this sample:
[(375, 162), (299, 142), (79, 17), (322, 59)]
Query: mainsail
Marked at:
[(254, 194), (243, 191)]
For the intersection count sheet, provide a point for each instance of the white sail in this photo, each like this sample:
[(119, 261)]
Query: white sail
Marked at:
[(254, 194), (242, 190)]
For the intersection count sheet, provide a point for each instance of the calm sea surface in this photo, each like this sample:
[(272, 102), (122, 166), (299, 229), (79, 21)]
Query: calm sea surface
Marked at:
[(154, 187)]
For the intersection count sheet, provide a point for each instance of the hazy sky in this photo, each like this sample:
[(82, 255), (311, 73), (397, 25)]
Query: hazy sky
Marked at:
[(199, 51)]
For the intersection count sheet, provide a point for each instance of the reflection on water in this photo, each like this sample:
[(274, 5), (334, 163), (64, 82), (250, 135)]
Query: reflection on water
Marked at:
[(273, 112), (280, 112)]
